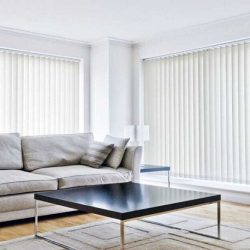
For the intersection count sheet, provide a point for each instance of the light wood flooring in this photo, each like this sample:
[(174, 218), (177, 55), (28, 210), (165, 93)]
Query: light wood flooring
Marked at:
[(231, 212)]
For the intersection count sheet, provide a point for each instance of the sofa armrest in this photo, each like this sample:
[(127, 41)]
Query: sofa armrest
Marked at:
[(132, 159)]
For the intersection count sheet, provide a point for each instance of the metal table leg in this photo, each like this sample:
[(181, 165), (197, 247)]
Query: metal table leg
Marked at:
[(122, 237), (218, 219), (194, 232), (36, 218), (36, 231), (169, 179)]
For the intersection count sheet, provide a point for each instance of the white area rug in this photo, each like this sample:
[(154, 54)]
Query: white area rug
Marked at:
[(141, 235)]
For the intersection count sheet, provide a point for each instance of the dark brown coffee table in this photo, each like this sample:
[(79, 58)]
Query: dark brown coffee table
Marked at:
[(127, 201)]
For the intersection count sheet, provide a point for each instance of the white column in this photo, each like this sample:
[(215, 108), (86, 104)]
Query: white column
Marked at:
[(111, 87)]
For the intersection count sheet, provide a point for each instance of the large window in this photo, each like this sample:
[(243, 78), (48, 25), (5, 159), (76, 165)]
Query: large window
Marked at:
[(39, 94), (198, 108)]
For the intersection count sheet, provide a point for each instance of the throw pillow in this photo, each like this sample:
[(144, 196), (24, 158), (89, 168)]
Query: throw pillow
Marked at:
[(115, 157), (96, 154)]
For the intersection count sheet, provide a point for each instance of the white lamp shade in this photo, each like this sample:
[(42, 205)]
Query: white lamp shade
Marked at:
[(142, 133), (129, 132)]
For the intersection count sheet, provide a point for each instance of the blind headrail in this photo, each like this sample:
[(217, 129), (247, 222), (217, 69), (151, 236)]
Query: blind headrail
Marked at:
[(209, 47), (44, 55)]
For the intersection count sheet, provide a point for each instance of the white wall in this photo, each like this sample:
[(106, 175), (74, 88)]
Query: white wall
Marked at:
[(99, 91), (111, 81), (137, 86), (52, 46), (120, 80), (196, 37)]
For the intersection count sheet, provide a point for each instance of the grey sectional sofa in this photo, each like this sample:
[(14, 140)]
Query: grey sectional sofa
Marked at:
[(41, 163)]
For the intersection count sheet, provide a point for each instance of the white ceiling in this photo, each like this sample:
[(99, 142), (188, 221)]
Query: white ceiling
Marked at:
[(133, 20)]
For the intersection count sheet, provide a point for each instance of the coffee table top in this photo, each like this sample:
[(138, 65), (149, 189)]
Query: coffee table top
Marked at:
[(126, 200)]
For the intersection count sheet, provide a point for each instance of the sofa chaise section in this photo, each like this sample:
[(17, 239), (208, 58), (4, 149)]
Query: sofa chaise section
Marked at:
[(17, 186), (18, 202), (19, 182), (21, 206)]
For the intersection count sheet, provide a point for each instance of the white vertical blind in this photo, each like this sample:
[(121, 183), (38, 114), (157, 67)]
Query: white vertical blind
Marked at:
[(198, 108), (39, 94)]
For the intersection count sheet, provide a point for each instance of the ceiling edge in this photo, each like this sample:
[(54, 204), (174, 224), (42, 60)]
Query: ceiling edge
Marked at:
[(41, 35)]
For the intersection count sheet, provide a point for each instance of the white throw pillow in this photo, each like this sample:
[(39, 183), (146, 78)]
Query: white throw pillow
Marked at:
[(115, 157)]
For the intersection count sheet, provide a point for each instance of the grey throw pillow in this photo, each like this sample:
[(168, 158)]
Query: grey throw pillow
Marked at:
[(115, 157), (96, 154)]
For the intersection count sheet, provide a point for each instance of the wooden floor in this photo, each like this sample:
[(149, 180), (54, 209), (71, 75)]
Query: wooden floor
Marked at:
[(231, 212)]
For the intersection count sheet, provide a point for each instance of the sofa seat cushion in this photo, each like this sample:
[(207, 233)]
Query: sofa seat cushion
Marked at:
[(18, 181), (79, 175)]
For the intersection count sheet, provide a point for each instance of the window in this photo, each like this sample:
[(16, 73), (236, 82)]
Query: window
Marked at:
[(198, 108), (39, 94)]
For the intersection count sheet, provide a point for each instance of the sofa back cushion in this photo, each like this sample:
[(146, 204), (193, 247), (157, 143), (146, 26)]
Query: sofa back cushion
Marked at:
[(54, 150), (10, 151)]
